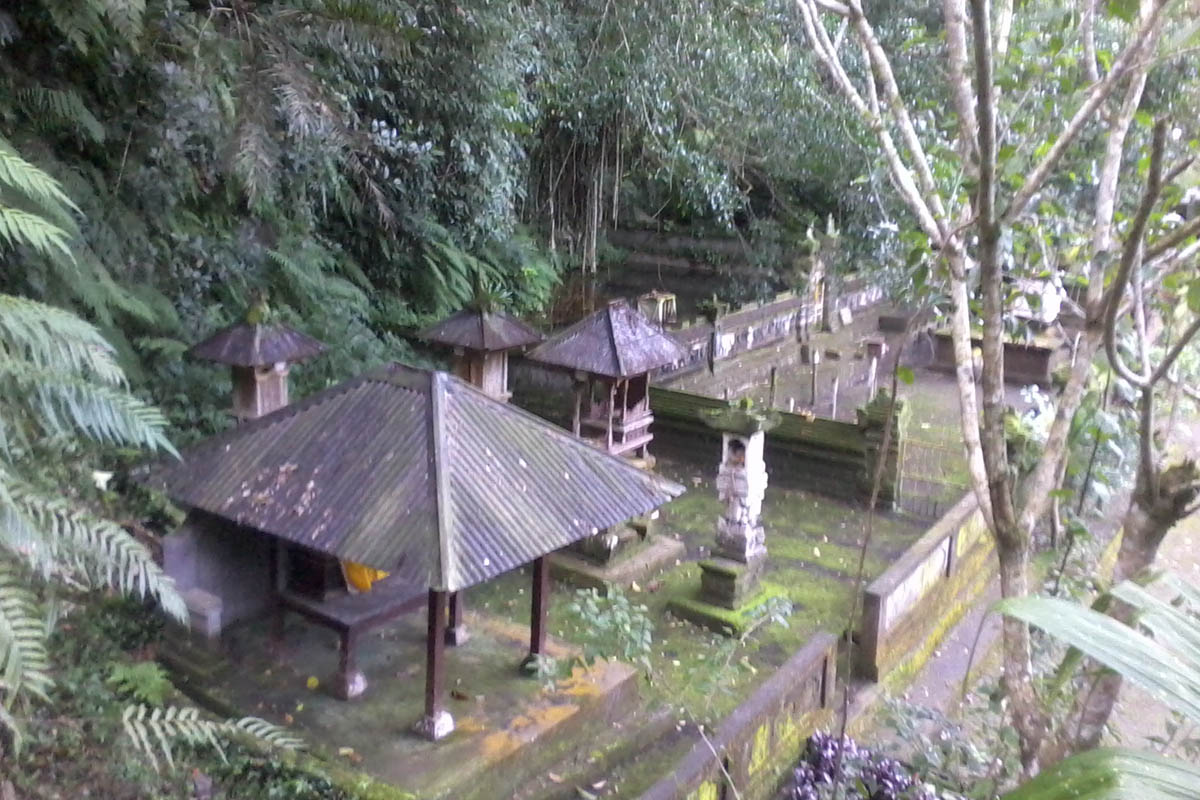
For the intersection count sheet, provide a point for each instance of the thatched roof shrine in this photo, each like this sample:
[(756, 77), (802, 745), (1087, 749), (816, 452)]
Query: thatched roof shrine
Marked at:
[(414, 472), (485, 331), (246, 345), (615, 342)]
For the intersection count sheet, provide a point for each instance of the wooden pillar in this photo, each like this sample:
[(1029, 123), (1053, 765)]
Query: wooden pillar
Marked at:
[(456, 633), (278, 584), (540, 604), (437, 722), (612, 400), (576, 425)]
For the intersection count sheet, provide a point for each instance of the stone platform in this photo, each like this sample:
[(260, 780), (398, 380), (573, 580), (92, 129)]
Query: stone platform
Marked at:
[(508, 725), (652, 557)]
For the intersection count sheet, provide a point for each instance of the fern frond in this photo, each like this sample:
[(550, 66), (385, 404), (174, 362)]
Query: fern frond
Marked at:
[(63, 107), (255, 159), (20, 228), (53, 338), (27, 180), (24, 663), (152, 730), (64, 403), (361, 27), (125, 16), (97, 549)]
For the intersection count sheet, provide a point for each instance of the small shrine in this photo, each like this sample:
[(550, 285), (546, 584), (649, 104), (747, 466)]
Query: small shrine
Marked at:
[(416, 477), (729, 579), (482, 338), (611, 354), (658, 307), (259, 355)]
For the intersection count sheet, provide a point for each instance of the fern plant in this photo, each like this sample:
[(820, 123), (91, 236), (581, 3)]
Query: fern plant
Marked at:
[(153, 729), (62, 399)]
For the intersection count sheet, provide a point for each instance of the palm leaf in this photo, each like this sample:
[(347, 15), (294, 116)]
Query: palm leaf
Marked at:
[(24, 664), (52, 337), (63, 403), (27, 180), (153, 730), (1148, 663), (20, 228), (62, 107), (1113, 774), (96, 549)]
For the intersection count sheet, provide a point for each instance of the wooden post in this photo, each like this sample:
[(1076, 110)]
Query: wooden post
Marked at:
[(612, 401), (871, 379), (771, 396), (576, 424), (456, 634), (540, 604), (812, 400), (437, 722), (833, 410)]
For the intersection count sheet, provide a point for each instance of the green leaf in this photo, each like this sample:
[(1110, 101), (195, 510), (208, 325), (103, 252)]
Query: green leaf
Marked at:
[(906, 375), (1141, 660), (1113, 774), (1193, 297), (1124, 10)]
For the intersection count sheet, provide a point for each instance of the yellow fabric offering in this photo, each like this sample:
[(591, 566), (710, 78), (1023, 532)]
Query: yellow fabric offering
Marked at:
[(359, 577)]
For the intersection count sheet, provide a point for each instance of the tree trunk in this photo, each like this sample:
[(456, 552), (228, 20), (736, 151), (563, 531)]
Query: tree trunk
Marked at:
[(1018, 669), (1150, 516)]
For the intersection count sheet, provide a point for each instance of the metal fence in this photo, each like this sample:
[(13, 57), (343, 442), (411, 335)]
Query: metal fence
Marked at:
[(931, 478)]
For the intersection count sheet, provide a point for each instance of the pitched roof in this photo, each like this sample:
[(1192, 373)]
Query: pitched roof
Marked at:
[(246, 345), (617, 341), (482, 330), (411, 471)]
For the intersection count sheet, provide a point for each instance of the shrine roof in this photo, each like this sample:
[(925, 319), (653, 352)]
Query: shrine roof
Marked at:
[(411, 471), (486, 331), (246, 345), (617, 342)]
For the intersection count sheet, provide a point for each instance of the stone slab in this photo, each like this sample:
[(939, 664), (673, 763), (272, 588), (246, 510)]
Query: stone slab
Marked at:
[(725, 621), (728, 583), (659, 553)]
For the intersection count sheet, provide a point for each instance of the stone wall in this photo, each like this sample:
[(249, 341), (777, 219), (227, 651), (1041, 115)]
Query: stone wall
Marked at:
[(908, 608), (833, 458), (222, 564), (1023, 363), (759, 742), (784, 318)]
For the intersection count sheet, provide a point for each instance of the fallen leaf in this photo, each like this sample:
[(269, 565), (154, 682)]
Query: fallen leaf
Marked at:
[(634, 587), (554, 777), (312, 682), (457, 695), (288, 719), (598, 785)]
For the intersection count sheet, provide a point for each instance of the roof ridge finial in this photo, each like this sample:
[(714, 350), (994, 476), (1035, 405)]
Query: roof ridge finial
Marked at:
[(259, 312)]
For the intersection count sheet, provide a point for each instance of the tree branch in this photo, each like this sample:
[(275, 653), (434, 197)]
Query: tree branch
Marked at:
[(955, 12), (1146, 34)]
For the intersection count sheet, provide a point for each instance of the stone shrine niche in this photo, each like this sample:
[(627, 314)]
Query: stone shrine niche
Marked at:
[(741, 486), (259, 390)]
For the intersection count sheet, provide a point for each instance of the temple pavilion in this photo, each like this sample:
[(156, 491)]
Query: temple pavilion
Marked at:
[(481, 339), (409, 472), (610, 354)]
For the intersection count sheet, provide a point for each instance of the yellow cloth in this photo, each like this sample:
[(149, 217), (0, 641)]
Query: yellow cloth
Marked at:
[(360, 577)]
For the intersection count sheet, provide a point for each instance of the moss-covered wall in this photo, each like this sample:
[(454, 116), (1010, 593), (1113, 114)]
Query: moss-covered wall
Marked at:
[(836, 459), (759, 742), (909, 608)]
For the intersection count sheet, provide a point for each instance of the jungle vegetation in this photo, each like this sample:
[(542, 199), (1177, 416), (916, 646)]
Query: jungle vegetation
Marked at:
[(368, 163)]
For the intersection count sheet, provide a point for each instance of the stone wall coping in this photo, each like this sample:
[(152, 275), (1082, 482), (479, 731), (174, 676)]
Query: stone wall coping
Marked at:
[(705, 755), (946, 526)]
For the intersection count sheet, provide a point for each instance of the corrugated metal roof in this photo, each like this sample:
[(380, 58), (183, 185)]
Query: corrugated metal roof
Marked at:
[(617, 341), (482, 330), (415, 472), (246, 345)]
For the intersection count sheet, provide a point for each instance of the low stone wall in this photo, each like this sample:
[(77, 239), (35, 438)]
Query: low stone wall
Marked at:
[(908, 609), (756, 325), (833, 458), (761, 740)]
